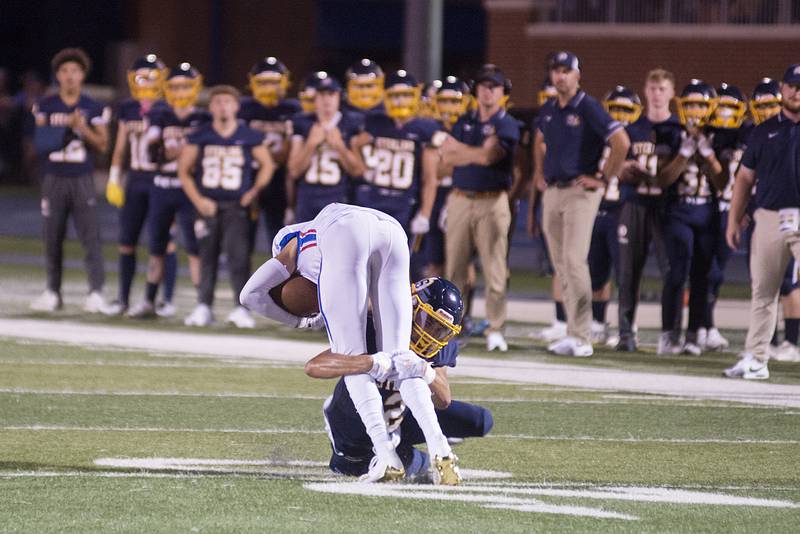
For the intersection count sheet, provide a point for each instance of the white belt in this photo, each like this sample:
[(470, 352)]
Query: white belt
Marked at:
[(696, 201), (167, 182)]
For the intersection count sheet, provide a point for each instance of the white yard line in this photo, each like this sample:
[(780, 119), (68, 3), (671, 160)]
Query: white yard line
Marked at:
[(518, 371), (108, 393)]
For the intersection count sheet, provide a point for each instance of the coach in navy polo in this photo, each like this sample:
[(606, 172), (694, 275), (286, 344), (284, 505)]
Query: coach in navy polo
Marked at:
[(772, 155), (481, 150), (574, 128)]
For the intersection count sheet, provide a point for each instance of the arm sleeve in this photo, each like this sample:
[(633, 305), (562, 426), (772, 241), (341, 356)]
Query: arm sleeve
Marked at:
[(751, 153), (255, 294), (599, 120), (508, 133)]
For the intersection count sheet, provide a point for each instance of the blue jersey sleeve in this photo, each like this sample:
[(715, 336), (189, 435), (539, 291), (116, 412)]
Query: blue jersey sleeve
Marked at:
[(753, 151), (507, 131), (598, 119), (447, 356)]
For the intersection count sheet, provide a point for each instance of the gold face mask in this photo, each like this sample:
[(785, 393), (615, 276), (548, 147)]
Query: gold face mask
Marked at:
[(365, 92), (402, 101), (146, 84), (431, 330), (182, 91), (268, 87)]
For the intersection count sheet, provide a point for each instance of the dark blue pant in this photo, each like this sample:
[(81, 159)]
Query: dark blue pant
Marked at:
[(459, 420), (167, 205), (604, 249), (133, 213), (716, 275), (690, 239)]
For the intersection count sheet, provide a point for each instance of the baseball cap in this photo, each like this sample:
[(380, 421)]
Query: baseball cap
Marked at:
[(564, 59), (490, 73), (792, 74)]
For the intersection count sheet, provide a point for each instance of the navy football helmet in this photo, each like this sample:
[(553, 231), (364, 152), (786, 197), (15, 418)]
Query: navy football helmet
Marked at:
[(546, 91), (452, 100), (696, 103), (146, 77), (766, 100), (183, 86), (438, 310), (402, 95), (269, 80), (623, 105), (731, 107), (364, 84)]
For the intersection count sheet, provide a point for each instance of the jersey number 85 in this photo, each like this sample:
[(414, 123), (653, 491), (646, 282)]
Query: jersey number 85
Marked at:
[(224, 172)]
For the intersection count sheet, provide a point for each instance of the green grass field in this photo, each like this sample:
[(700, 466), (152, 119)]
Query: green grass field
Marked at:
[(113, 437)]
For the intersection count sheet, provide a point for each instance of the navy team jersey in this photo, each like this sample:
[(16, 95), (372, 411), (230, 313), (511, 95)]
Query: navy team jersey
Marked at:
[(275, 122), (173, 135), (653, 145), (394, 163), (143, 137), (224, 168), (729, 146), (74, 158), (471, 131), (325, 177), (611, 191)]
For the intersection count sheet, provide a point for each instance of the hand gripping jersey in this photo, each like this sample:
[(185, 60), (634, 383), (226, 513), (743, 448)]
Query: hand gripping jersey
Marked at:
[(224, 170), (143, 138), (174, 131), (73, 157), (729, 146), (394, 164)]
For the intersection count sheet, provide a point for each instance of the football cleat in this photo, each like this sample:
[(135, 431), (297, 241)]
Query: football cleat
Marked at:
[(142, 310), (200, 316), (692, 349), (94, 302), (445, 471), (787, 352), (496, 341), (667, 344), (241, 318), (749, 368), (114, 309), (715, 340), (626, 343), (166, 309), (553, 332), (570, 346), (47, 302), (383, 471), (599, 332)]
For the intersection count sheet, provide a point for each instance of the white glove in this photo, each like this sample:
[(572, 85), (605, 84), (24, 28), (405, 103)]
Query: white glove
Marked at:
[(688, 145), (420, 225), (288, 217), (409, 365), (705, 145), (315, 322), (382, 366), (443, 219)]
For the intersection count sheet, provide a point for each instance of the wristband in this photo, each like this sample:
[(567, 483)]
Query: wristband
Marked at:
[(430, 374)]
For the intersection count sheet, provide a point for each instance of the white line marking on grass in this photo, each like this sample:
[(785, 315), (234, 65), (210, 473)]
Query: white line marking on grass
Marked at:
[(182, 463), (137, 363), (743, 441), (223, 394), (63, 428)]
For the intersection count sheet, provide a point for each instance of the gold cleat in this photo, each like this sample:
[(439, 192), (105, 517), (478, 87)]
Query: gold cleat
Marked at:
[(445, 471), (393, 474), (382, 472)]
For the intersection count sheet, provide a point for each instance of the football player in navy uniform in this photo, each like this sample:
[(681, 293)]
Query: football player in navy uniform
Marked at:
[(449, 103), (70, 126), (168, 202), (655, 140), (365, 84), (306, 93), (351, 445), (270, 112), (397, 157), (624, 106), (730, 130), (215, 168), (689, 227), (137, 142), (320, 162)]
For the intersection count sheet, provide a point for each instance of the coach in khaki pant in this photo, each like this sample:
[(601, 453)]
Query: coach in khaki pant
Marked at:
[(574, 129), (481, 149), (773, 156)]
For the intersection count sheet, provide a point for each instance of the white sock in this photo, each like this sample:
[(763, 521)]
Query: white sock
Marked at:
[(369, 405), (417, 396)]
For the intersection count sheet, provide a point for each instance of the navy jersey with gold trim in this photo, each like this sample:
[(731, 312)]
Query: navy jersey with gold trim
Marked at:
[(143, 137), (653, 145), (174, 131)]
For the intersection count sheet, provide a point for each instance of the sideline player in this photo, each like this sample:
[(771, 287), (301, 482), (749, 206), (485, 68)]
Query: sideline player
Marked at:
[(70, 126), (168, 201), (216, 172), (364, 87), (352, 448), (363, 252), (137, 141), (320, 163)]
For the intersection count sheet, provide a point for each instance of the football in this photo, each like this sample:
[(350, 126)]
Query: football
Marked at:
[(297, 295)]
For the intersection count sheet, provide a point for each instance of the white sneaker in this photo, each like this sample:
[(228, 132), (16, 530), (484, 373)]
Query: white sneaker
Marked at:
[(201, 316), (114, 309), (241, 317), (692, 348), (749, 368), (166, 309), (142, 310), (667, 345), (787, 352), (599, 332), (48, 301), (495, 340), (94, 303), (554, 332), (385, 470), (701, 338), (715, 340), (570, 346)]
